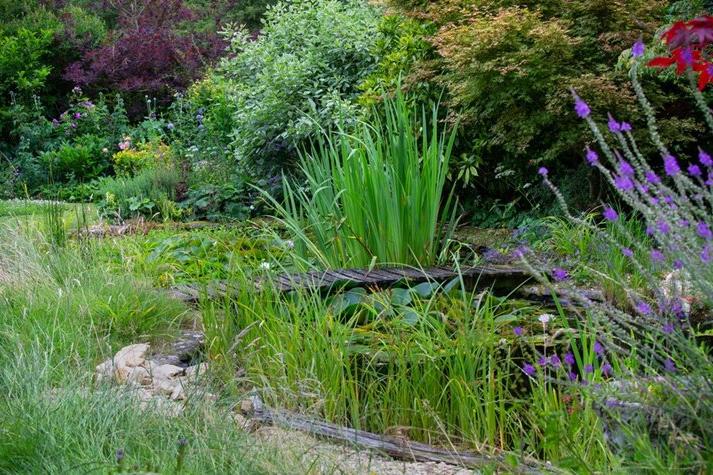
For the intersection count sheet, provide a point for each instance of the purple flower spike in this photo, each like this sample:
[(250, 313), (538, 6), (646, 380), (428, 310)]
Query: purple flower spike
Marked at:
[(706, 254), (606, 369), (528, 369), (657, 256), (610, 215), (627, 252), (614, 126), (588, 368), (652, 178), (669, 365), (663, 227), (555, 361), (668, 328), (623, 183), (704, 231), (704, 158), (678, 264), (694, 170), (542, 361), (559, 274), (598, 348), (517, 331), (625, 127), (626, 169), (543, 171), (569, 358), (643, 308), (592, 157), (580, 107), (572, 376), (638, 49), (670, 165)]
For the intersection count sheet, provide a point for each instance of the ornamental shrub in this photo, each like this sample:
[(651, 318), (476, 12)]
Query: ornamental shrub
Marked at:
[(131, 160), (299, 77), (506, 68)]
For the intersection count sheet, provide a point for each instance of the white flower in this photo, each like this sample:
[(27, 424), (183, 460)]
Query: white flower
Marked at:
[(265, 265), (290, 244), (545, 318)]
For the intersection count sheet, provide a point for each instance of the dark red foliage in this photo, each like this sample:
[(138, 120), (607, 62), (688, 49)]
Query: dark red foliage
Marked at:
[(152, 50), (687, 42)]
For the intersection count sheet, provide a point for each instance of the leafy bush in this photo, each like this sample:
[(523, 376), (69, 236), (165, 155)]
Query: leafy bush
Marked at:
[(299, 77), (374, 196), (83, 160), (153, 50), (131, 160), (506, 68), (150, 193)]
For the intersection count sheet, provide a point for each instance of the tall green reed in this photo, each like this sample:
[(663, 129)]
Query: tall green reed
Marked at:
[(374, 195)]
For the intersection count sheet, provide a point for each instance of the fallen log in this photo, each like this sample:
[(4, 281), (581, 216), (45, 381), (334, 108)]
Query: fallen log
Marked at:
[(396, 447)]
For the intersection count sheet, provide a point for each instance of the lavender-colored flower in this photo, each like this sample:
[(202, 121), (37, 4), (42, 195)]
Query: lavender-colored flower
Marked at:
[(592, 157), (663, 227), (572, 376), (652, 178), (643, 308), (654, 201), (649, 230), (610, 214), (704, 230), (657, 256), (694, 170), (704, 158), (638, 49), (613, 125), (543, 171), (687, 56), (542, 361), (627, 252), (170, 126), (580, 107), (569, 358), (643, 189), (588, 368), (528, 369), (668, 328), (73, 125), (625, 127), (555, 361), (623, 183), (669, 365), (517, 331), (670, 165), (678, 264), (598, 348), (684, 223), (625, 168), (77, 115), (606, 369), (55, 123), (560, 274), (706, 254)]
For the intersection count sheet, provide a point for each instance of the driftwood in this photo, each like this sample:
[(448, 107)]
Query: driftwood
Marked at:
[(495, 277), (396, 447)]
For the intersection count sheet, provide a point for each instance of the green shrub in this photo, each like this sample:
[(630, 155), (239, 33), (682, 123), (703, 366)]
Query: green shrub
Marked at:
[(85, 159), (300, 76), (506, 68), (150, 193), (375, 196)]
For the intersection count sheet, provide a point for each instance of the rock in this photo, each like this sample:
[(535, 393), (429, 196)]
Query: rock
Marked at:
[(676, 287), (195, 372), (131, 356), (104, 371), (139, 376), (165, 378)]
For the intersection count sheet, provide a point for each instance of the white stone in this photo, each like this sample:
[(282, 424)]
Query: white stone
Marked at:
[(131, 356)]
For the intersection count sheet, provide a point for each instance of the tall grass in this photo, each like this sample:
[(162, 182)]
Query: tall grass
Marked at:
[(375, 195), (443, 367)]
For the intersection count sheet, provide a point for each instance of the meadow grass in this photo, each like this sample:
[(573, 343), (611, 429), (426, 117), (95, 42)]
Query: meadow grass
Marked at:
[(442, 365)]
